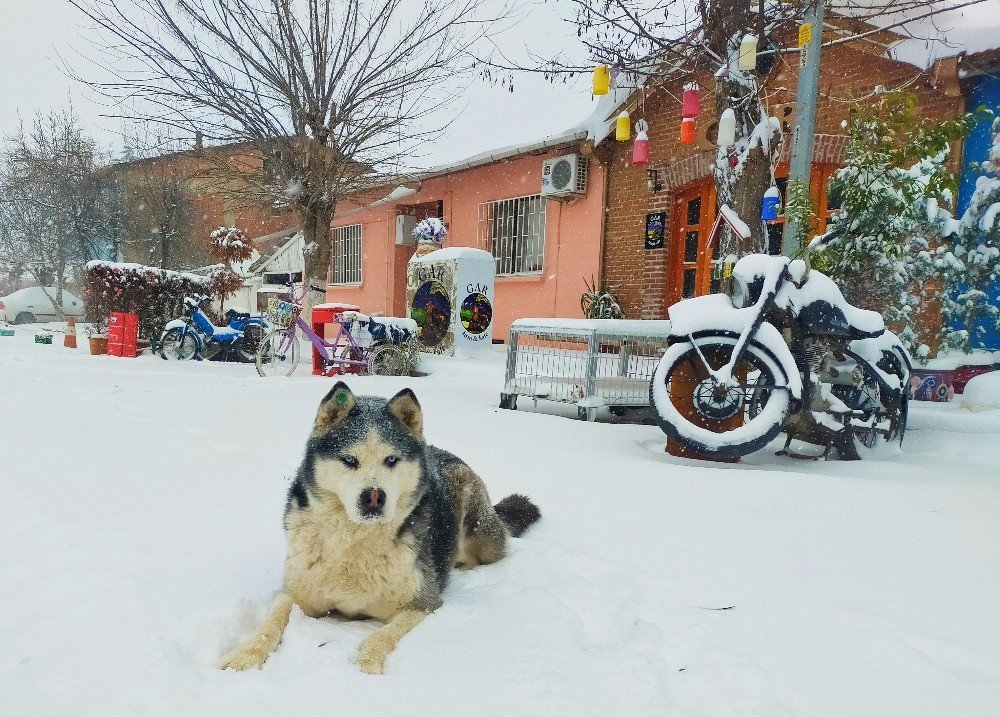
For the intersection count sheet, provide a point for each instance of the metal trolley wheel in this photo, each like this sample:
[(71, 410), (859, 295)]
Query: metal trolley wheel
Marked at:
[(387, 360)]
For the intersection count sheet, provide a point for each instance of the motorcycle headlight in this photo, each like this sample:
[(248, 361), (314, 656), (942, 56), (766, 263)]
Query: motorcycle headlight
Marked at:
[(737, 291), (744, 295)]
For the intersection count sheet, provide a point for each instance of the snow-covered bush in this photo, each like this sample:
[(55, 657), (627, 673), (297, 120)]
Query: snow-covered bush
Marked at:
[(156, 295), (894, 192), (599, 302), (969, 263)]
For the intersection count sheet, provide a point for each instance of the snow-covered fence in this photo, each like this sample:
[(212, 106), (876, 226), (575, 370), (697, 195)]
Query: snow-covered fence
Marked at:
[(589, 362)]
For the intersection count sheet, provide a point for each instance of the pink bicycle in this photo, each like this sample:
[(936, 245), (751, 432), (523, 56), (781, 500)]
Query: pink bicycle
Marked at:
[(278, 353)]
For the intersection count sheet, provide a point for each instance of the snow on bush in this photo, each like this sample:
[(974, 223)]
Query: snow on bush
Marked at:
[(156, 295)]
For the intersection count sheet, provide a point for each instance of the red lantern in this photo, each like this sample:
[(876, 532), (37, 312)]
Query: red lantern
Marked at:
[(687, 130), (692, 99), (640, 148)]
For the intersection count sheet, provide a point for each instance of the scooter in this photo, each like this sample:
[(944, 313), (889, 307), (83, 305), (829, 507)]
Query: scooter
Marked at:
[(195, 336), (784, 351)]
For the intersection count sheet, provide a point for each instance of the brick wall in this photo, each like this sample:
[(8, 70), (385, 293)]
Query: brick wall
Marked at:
[(849, 73)]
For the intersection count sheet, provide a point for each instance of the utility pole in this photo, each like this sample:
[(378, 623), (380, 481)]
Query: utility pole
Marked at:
[(800, 166)]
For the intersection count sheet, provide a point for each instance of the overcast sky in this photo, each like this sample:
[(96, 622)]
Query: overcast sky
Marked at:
[(34, 34)]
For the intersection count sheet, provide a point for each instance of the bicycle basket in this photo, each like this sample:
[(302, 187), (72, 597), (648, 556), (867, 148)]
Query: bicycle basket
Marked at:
[(281, 313)]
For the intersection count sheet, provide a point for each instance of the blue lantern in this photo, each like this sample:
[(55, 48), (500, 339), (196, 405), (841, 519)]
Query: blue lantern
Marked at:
[(769, 207)]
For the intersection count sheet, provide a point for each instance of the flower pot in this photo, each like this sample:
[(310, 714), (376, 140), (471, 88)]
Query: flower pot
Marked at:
[(98, 345)]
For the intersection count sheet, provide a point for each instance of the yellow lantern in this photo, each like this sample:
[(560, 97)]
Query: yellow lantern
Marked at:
[(748, 52), (602, 80), (623, 127)]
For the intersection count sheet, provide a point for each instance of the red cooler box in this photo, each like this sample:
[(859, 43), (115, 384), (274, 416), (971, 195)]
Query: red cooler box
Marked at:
[(323, 314), (116, 333), (123, 334)]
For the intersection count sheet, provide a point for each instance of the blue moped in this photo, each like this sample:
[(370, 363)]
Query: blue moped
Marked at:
[(195, 336)]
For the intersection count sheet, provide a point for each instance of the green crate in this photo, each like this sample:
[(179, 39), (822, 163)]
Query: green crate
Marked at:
[(6, 332), (43, 338)]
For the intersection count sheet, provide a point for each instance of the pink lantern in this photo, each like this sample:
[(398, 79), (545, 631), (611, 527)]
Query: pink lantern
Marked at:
[(640, 148), (692, 99)]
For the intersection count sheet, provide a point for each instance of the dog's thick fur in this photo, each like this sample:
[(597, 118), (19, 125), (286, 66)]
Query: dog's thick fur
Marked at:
[(391, 564)]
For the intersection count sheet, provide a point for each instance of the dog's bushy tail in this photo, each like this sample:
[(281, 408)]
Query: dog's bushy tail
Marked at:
[(517, 513)]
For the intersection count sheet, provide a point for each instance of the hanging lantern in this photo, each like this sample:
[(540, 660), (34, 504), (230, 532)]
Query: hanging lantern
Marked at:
[(748, 52), (769, 206), (692, 99), (687, 130), (727, 129), (640, 148), (602, 80), (623, 127)]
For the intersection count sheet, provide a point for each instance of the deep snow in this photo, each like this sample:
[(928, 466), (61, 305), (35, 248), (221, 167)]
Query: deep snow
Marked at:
[(140, 538)]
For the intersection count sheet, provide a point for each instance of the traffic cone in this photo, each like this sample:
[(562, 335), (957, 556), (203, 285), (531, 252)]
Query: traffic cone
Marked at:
[(69, 340)]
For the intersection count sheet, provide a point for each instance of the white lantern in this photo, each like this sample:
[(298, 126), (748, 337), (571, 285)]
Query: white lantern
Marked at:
[(748, 52), (727, 129)]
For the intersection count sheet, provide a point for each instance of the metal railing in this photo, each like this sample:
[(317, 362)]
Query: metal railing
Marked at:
[(590, 363)]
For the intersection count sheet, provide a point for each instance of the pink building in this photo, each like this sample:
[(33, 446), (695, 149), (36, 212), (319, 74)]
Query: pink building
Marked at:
[(547, 242)]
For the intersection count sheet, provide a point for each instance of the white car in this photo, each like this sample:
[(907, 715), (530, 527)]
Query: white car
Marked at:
[(26, 306)]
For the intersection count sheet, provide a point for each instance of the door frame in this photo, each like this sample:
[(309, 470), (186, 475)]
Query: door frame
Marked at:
[(705, 188)]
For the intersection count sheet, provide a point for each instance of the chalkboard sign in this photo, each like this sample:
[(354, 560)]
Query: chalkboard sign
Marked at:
[(654, 230)]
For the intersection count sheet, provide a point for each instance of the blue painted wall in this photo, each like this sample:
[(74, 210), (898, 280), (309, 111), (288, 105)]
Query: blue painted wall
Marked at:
[(979, 91)]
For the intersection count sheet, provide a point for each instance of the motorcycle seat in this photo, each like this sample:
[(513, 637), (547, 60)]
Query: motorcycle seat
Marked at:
[(225, 335)]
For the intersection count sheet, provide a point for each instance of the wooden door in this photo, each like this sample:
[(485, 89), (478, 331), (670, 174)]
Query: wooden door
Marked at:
[(690, 259)]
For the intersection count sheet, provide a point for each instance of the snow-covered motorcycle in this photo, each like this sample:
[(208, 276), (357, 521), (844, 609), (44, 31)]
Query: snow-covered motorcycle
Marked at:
[(784, 351)]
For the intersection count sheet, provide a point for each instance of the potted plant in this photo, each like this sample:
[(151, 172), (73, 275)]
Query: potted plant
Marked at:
[(97, 335)]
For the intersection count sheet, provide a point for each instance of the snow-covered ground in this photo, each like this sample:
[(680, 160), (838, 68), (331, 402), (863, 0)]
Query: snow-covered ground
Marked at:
[(140, 538)]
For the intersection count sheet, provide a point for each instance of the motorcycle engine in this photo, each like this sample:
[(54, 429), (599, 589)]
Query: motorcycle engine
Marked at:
[(830, 365)]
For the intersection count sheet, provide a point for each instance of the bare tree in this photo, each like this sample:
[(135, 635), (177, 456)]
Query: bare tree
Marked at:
[(155, 192), (321, 92), (655, 42), (56, 209)]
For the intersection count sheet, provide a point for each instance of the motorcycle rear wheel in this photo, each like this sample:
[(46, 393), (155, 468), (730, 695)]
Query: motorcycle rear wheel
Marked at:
[(277, 354), (715, 420)]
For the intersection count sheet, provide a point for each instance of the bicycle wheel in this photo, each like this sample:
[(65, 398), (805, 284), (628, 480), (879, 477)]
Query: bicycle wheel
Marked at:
[(387, 360), (278, 354), (178, 344)]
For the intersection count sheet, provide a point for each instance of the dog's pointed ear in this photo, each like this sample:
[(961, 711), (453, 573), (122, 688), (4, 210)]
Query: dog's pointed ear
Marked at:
[(405, 407), (334, 407)]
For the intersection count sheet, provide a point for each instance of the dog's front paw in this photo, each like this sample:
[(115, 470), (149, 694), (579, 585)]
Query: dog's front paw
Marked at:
[(371, 658), (243, 658)]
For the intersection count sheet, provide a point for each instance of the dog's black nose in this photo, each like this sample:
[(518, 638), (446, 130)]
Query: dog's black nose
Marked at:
[(371, 501)]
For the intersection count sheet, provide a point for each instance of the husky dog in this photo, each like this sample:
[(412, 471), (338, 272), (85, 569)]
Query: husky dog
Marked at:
[(375, 520)]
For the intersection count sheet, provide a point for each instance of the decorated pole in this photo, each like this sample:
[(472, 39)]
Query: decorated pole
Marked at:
[(800, 166)]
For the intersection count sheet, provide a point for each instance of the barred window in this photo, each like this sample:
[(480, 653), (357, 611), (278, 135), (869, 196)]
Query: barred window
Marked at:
[(347, 254), (513, 230)]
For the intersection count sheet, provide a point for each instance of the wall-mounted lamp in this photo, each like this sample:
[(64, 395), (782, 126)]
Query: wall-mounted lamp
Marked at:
[(653, 180)]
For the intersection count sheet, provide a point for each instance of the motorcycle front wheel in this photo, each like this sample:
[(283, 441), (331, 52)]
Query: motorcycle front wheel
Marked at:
[(178, 344), (713, 418), (277, 354)]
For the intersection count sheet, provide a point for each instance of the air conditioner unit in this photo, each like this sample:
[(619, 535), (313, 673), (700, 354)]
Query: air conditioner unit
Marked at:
[(404, 229), (564, 176)]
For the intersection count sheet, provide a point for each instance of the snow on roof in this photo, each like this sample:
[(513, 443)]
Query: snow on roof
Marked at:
[(965, 30)]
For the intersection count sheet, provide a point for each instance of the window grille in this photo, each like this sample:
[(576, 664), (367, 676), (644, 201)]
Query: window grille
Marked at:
[(513, 230), (347, 254)]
